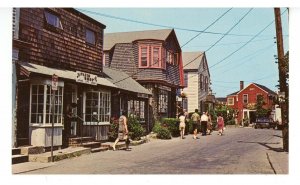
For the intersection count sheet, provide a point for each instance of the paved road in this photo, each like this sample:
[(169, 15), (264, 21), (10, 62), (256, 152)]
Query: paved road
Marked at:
[(239, 151)]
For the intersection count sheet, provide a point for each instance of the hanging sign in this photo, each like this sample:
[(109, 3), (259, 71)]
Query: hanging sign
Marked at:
[(54, 82)]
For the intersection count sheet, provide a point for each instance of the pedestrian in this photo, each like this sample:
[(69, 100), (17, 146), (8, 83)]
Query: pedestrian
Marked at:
[(220, 121), (209, 125), (181, 125), (196, 122), (122, 132), (203, 120)]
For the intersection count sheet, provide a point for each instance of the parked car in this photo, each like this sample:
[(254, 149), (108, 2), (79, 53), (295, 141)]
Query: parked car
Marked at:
[(264, 123)]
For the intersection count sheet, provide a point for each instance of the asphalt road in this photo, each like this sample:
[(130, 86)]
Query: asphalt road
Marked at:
[(239, 151)]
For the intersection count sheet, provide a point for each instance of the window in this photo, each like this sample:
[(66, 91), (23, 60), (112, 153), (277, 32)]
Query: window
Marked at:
[(40, 104), (201, 81), (163, 101), (230, 101), (245, 98), (156, 55), (90, 36), (206, 84), (97, 107), (144, 57), (258, 95), (176, 59), (53, 20), (186, 79), (137, 108)]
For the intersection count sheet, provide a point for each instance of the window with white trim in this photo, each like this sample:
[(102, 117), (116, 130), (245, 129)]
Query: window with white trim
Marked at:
[(230, 101), (245, 98), (53, 20), (40, 104), (97, 106)]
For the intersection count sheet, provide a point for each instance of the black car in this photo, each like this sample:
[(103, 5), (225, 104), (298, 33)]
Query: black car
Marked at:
[(264, 123)]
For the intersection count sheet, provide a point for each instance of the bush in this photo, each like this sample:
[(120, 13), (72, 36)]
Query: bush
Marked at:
[(136, 130), (156, 127), (172, 124), (163, 133)]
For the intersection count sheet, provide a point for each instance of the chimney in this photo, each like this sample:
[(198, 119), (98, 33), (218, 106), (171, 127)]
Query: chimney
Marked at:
[(241, 85)]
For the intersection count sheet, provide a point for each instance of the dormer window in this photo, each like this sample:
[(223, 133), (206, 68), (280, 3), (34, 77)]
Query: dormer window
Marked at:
[(53, 20)]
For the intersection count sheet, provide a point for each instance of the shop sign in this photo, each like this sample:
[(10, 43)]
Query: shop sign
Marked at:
[(86, 78), (54, 82)]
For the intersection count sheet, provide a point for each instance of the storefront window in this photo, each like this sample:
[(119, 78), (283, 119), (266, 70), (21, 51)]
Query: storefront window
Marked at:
[(97, 107), (40, 106), (137, 108)]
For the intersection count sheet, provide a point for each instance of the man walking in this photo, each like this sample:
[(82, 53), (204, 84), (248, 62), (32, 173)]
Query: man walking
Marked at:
[(196, 121), (203, 120)]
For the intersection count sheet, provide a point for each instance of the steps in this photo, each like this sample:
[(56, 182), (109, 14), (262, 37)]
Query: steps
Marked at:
[(17, 157), (87, 142)]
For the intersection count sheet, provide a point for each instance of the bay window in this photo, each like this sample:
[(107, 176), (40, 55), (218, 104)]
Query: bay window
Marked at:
[(150, 56)]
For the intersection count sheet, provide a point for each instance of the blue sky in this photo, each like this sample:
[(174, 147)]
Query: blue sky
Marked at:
[(253, 63)]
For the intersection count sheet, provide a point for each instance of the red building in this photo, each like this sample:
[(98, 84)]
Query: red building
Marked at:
[(244, 100)]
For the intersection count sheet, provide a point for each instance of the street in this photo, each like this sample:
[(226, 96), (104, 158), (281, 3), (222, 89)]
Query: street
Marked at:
[(239, 151)]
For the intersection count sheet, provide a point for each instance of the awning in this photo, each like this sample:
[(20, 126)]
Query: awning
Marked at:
[(61, 73)]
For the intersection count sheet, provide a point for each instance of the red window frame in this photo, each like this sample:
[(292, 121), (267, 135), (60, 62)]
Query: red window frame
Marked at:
[(140, 56)]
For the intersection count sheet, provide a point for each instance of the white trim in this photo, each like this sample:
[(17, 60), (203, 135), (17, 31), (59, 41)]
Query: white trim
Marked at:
[(232, 101)]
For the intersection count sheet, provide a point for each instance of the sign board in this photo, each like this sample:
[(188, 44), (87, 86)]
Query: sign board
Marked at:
[(86, 78), (54, 82)]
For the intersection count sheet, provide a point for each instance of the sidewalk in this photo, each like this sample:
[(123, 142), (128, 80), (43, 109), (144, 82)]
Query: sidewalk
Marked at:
[(44, 160)]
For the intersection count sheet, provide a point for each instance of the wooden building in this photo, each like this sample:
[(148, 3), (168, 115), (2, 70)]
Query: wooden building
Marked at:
[(244, 100), (152, 58), (69, 44), (197, 83)]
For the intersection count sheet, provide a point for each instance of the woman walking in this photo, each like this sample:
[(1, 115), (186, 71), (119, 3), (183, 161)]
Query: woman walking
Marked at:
[(220, 120), (182, 125), (122, 131)]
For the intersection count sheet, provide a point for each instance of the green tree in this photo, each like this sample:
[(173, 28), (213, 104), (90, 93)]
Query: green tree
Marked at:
[(260, 111)]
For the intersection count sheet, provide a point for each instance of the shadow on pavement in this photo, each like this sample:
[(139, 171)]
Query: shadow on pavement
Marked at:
[(276, 149)]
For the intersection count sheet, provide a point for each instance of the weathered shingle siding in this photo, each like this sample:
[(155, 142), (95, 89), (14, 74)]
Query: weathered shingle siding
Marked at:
[(123, 59), (66, 48)]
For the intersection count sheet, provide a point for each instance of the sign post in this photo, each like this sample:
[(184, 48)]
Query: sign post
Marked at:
[(54, 88)]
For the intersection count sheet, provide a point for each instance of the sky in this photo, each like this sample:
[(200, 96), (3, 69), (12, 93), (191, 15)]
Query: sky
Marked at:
[(255, 62)]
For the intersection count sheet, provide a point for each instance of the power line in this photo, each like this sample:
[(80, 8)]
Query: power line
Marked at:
[(160, 25), (244, 44), (206, 27), (222, 36)]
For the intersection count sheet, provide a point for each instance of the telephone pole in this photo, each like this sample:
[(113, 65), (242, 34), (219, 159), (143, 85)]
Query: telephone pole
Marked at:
[(282, 80)]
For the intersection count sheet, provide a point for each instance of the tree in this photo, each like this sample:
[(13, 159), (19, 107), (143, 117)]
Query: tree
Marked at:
[(260, 111)]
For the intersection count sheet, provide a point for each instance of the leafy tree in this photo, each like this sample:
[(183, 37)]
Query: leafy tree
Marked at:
[(260, 111)]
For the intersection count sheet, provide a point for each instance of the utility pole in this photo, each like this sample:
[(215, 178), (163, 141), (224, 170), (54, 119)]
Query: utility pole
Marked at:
[(282, 80)]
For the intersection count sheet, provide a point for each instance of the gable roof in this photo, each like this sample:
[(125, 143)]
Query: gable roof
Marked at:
[(187, 57), (265, 89), (128, 84), (110, 39), (232, 94)]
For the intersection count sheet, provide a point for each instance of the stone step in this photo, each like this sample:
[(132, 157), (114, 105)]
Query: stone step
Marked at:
[(100, 149), (19, 159), (91, 144), (79, 140), (16, 151)]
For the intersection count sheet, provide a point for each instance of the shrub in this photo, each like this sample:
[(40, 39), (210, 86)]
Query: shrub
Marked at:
[(136, 130), (163, 133), (230, 122), (172, 124), (156, 127), (113, 129)]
